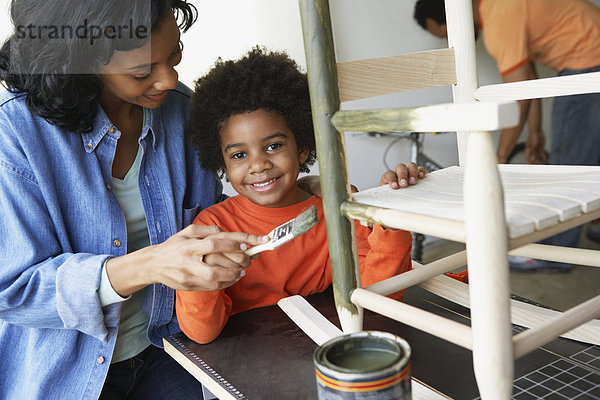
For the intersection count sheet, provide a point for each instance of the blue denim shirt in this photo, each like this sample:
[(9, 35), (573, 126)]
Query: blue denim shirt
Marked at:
[(60, 220)]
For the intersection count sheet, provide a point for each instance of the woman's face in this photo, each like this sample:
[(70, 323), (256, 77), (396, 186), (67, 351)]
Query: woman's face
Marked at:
[(132, 78)]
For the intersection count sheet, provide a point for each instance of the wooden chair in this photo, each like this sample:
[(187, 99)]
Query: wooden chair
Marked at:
[(494, 209)]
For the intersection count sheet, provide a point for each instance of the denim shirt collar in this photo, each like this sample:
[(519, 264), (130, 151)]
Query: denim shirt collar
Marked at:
[(148, 126), (103, 126)]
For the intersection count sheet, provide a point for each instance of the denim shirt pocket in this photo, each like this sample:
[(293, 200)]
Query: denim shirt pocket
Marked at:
[(189, 214)]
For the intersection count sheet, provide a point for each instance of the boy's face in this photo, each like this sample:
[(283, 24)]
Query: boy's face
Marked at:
[(262, 159)]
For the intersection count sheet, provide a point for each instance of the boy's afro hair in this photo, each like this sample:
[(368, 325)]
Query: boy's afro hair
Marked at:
[(261, 79)]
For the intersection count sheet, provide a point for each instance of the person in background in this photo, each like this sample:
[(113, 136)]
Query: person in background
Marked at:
[(563, 35), (251, 121), (97, 189)]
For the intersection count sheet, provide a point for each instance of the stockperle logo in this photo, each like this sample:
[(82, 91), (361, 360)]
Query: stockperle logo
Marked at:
[(87, 31)]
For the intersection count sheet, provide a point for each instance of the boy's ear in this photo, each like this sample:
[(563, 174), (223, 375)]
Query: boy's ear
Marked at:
[(223, 174), (303, 155)]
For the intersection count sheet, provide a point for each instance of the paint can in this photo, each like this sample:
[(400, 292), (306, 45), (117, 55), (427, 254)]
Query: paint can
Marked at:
[(363, 365)]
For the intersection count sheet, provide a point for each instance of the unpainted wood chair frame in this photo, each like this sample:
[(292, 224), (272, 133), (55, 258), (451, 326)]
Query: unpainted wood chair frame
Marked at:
[(474, 114)]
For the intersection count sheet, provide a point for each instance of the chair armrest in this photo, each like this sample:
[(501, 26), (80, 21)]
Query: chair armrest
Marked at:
[(475, 116)]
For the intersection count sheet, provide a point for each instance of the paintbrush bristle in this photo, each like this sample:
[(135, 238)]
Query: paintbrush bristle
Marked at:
[(304, 221)]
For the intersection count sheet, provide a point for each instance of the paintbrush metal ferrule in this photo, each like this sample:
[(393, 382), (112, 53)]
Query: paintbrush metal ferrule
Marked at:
[(283, 233), (287, 231)]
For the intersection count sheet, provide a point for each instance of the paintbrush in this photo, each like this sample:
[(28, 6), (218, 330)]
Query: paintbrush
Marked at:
[(286, 232)]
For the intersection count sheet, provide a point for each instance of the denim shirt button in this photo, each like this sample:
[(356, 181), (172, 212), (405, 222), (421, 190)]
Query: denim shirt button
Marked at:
[(117, 243), (90, 145), (100, 360), (108, 187), (112, 129)]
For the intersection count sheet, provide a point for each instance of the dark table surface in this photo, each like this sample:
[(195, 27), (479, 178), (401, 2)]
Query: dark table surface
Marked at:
[(266, 356)]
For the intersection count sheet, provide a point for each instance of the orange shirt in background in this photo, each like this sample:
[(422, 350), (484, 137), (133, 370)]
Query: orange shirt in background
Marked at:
[(297, 267), (561, 34)]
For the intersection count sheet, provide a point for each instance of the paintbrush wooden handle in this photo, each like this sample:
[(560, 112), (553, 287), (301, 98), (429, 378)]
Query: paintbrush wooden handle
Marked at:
[(261, 247)]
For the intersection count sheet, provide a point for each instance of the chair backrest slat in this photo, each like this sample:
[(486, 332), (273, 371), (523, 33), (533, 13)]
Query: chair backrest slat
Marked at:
[(378, 76)]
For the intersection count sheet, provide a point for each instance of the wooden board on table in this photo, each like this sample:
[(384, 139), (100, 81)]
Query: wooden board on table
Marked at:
[(522, 314)]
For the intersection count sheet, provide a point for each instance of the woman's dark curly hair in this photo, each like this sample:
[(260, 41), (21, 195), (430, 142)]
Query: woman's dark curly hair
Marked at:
[(56, 70), (433, 9), (261, 79)]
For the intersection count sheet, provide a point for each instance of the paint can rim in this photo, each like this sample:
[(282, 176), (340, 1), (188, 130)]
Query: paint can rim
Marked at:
[(323, 355)]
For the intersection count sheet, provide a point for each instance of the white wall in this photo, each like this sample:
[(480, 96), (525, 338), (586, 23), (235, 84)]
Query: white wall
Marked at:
[(228, 28), (363, 28)]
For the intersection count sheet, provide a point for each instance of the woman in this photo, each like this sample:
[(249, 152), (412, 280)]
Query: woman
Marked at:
[(96, 184)]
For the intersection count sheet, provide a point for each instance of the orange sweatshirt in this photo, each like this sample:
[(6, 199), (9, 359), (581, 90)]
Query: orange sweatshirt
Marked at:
[(300, 266)]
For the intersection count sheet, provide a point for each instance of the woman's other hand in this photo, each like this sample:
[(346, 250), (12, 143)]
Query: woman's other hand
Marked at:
[(312, 184)]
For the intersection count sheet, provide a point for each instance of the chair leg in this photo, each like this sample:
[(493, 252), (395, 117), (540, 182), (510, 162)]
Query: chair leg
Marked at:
[(489, 285), (331, 152)]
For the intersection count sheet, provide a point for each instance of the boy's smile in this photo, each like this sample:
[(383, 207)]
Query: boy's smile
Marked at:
[(262, 159)]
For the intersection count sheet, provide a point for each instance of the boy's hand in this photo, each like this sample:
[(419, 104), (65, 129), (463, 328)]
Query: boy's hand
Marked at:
[(403, 175)]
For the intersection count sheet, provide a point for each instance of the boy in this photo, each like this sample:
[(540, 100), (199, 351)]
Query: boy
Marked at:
[(251, 120)]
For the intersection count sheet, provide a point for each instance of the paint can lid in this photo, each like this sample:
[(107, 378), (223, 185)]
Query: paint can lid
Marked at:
[(363, 352)]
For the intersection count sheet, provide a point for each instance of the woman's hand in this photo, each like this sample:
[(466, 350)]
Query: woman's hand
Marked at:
[(312, 184), (403, 175), (196, 258)]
